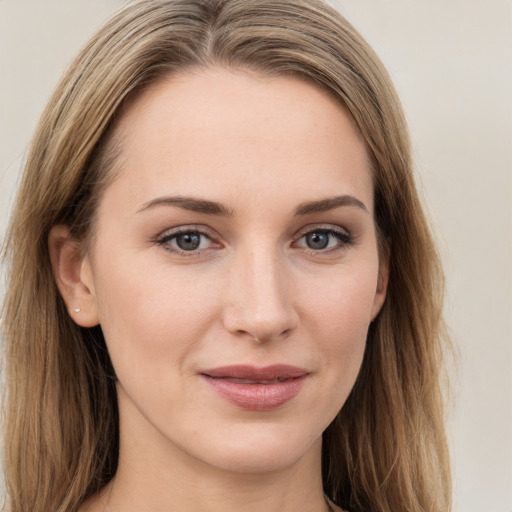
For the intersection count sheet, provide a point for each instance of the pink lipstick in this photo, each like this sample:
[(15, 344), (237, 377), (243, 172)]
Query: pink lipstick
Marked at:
[(258, 389)]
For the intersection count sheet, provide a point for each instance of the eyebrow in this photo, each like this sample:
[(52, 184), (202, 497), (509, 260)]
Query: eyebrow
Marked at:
[(189, 203), (325, 205), (213, 208)]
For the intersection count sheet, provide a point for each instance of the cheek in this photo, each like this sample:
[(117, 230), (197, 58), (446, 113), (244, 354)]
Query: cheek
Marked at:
[(151, 314), (338, 318), (341, 303)]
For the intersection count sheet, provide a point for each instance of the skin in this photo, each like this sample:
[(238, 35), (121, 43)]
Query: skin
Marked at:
[(254, 291)]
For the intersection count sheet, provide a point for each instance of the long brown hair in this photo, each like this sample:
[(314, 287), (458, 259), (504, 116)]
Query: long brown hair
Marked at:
[(386, 450)]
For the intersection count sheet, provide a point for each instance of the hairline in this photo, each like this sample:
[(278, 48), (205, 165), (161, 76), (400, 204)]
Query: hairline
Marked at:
[(110, 162)]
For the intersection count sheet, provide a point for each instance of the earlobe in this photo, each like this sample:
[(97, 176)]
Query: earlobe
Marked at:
[(73, 276)]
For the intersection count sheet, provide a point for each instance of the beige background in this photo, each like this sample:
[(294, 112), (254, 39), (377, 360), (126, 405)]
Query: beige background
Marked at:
[(451, 62)]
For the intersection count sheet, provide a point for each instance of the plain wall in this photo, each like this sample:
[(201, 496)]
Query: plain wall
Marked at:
[(451, 62)]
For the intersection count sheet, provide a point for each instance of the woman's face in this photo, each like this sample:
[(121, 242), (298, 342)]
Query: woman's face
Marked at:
[(234, 269)]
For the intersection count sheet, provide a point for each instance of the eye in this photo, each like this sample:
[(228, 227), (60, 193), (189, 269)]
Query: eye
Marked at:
[(324, 239), (188, 241), (185, 241)]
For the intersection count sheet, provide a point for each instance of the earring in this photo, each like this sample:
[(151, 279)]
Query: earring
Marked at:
[(77, 309)]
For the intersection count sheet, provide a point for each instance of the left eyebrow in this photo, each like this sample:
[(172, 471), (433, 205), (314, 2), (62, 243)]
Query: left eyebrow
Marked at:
[(324, 205)]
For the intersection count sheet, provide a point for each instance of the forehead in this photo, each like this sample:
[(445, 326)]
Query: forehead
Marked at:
[(214, 125)]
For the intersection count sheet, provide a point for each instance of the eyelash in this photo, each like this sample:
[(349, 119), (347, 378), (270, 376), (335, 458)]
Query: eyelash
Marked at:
[(344, 240), (343, 237), (164, 240)]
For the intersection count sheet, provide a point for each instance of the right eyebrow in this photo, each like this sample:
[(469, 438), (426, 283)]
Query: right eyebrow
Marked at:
[(189, 203)]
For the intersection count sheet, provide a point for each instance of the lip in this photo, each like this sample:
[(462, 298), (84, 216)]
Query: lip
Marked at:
[(256, 388)]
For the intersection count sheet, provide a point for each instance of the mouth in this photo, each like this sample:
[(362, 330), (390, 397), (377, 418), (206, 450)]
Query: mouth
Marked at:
[(256, 388)]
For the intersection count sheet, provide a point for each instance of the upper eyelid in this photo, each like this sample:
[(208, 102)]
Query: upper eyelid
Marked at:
[(200, 228), (193, 228), (209, 232), (340, 234), (321, 226)]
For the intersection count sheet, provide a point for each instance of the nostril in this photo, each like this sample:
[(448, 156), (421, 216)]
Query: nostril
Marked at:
[(259, 299), (258, 329)]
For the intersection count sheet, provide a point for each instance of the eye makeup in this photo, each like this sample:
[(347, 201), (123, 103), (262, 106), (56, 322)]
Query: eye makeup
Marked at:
[(192, 241)]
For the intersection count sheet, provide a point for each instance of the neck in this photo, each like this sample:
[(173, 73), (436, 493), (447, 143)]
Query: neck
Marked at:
[(186, 485)]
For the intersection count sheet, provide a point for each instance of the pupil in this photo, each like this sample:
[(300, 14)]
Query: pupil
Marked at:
[(317, 240), (188, 242)]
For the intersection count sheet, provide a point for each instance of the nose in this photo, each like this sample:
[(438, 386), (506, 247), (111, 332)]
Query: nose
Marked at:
[(259, 294)]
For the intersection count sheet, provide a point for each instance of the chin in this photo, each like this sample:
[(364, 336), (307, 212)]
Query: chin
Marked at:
[(262, 451)]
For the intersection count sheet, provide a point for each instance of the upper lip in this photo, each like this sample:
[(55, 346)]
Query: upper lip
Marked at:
[(247, 372)]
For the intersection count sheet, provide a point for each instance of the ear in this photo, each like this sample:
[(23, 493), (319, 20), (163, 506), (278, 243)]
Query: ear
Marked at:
[(73, 275), (382, 285)]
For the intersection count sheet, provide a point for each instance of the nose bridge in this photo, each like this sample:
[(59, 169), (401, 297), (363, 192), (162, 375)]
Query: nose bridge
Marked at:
[(260, 302)]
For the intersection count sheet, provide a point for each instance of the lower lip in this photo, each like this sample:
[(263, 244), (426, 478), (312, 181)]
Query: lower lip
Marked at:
[(257, 397)]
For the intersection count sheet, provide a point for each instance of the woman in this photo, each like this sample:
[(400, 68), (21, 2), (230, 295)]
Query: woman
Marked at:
[(224, 293)]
